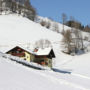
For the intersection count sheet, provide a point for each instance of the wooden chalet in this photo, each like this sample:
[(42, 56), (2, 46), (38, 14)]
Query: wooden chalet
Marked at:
[(22, 53), (44, 56), (40, 56)]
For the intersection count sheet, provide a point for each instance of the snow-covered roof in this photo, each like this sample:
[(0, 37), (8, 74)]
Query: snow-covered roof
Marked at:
[(27, 49), (44, 51), (4, 50)]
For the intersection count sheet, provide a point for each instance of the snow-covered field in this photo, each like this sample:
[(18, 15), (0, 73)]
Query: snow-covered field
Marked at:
[(71, 72), (14, 76), (79, 64)]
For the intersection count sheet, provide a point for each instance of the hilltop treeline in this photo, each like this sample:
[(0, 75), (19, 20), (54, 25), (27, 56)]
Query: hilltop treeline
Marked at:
[(22, 7), (72, 23)]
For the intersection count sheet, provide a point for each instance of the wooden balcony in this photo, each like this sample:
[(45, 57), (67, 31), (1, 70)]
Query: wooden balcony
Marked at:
[(18, 54)]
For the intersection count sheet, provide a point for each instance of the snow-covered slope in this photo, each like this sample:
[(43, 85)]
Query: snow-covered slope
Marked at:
[(17, 77), (14, 28), (14, 76), (71, 72), (79, 64), (60, 26), (17, 30)]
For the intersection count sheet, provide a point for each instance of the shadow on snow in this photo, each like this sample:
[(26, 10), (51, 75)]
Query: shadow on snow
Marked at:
[(61, 71)]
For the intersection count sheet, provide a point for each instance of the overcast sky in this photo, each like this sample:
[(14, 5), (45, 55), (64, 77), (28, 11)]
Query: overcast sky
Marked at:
[(79, 9)]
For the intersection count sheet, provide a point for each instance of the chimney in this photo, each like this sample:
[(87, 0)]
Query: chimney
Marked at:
[(36, 49)]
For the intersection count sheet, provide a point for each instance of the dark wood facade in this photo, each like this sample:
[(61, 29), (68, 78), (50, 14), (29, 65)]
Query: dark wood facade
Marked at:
[(17, 51), (45, 60)]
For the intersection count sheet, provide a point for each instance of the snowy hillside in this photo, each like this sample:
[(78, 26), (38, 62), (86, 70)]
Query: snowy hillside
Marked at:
[(60, 26), (16, 30), (79, 64), (14, 76), (70, 72)]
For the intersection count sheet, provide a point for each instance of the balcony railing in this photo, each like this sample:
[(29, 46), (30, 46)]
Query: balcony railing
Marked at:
[(18, 54)]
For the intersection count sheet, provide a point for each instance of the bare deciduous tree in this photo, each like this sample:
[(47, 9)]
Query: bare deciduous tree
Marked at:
[(55, 27), (67, 40), (78, 37), (43, 43), (48, 24), (0, 6), (64, 17), (43, 23)]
